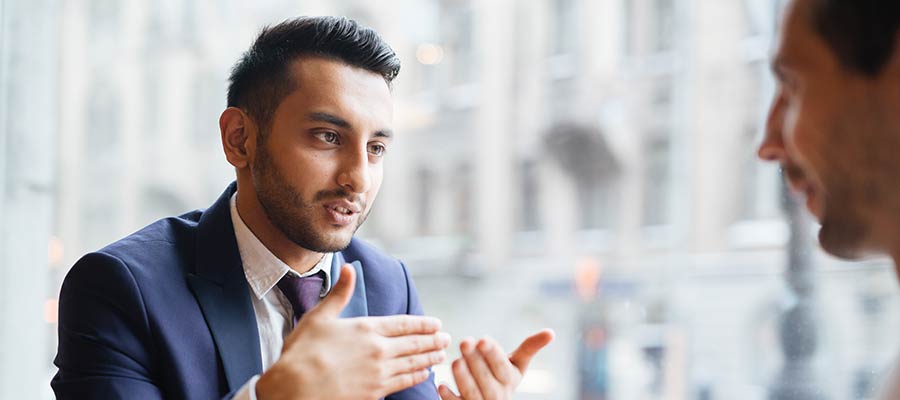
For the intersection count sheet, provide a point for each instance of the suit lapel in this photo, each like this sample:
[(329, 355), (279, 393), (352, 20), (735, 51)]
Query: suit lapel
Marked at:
[(221, 290), (358, 306)]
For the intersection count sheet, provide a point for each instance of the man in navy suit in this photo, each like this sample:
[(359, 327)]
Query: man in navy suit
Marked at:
[(230, 302)]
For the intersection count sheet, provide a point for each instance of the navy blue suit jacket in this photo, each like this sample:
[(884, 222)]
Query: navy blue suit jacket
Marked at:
[(166, 312)]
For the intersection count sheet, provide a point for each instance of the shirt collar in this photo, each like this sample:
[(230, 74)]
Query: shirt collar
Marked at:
[(262, 268)]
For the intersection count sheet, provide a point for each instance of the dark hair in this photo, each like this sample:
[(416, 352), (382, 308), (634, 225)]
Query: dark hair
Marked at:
[(261, 79), (862, 33)]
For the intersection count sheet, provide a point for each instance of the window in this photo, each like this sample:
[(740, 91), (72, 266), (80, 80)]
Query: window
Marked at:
[(664, 26), (463, 199), (424, 190), (529, 186), (565, 26), (657, 179), (760, 183), (652, 26), (595, 203), (457, 28)]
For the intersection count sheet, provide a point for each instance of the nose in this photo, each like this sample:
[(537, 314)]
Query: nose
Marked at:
[(772, 146), (354, 175)]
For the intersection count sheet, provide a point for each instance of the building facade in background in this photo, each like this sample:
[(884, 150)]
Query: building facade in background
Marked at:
[(586, 165)]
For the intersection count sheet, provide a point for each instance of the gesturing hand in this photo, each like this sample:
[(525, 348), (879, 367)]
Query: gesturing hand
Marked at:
[(327, 357), (485, 373)]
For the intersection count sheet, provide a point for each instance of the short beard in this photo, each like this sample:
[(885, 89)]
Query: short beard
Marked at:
[(287, 210), (845, 232)]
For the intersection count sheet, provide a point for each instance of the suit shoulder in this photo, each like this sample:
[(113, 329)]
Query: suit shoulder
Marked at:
[(161, 244), (170, 229)]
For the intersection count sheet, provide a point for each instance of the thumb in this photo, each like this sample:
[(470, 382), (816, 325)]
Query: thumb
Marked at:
[(521, 356), (339, 296)]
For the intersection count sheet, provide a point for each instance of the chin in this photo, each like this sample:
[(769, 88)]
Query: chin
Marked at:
[(321, 241), (340, 243), (846, 241), (335, 240)]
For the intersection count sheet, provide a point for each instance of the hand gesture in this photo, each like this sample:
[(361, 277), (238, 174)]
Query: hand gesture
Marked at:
[(327, 357), (484, 372)]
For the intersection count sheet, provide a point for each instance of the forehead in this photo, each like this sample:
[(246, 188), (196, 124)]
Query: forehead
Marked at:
[(799, 47), (326, 85)]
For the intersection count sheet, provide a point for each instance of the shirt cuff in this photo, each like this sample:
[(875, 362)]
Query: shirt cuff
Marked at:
[(248, 391)]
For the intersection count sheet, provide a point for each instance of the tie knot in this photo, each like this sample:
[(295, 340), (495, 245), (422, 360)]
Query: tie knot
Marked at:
[(302, 293)]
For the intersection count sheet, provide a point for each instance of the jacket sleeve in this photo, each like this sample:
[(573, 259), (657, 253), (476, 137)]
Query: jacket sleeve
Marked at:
[(104, 337), (427, 389)]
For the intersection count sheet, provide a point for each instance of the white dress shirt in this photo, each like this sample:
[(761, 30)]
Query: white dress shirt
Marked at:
[(274, 314)]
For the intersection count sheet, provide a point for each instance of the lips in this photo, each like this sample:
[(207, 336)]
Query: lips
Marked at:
[(808, 191), (801, 185), (342, 212)]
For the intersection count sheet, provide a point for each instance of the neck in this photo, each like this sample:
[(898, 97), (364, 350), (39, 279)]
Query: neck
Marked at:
[(254, 216)]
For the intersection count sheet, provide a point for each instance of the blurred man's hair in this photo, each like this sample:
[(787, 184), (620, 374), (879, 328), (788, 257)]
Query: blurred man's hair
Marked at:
[(261, 79), (862, 33)]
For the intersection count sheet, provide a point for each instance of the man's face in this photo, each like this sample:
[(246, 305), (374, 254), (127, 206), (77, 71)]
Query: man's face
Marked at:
[(834, 131), (319, 167)]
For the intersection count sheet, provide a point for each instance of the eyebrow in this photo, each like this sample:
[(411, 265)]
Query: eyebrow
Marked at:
[(329, 118), (779, 65), (384, 133), (342, 123)]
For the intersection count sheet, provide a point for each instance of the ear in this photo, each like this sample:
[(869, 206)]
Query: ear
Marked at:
[(892, 64), (238, 137)]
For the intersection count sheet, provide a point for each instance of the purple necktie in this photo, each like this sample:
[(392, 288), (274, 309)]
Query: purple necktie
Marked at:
[(303, 293)]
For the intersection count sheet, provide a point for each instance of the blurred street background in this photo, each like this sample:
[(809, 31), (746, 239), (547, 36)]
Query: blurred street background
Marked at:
[(583, 165)]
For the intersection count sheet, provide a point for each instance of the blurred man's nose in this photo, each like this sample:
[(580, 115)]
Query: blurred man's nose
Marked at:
[(772, 146)]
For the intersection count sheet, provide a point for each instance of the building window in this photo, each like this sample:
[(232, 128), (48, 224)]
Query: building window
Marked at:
[(760, 182), (426, 187), (657, 149), (529, 186), (207, 105), (594, 201), (458, 33), (664, 25), (565, 27), (103, 129), (651, 26), (761, 17), (463, 197)]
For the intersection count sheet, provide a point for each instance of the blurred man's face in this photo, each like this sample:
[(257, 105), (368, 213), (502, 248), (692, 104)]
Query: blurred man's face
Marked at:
[(835, 133), (318, 169)]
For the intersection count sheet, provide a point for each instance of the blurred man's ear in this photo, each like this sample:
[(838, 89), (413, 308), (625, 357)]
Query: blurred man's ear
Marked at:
[(890, 75), (236, 128), (893, 63)]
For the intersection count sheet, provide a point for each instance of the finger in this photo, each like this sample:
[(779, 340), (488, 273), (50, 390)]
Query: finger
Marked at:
[(496, 360), (522, 355), (339, 296), (416, 362), (401, 325), (416, 344), (403, 381), (465, 382), (447, 394), (487, 382)]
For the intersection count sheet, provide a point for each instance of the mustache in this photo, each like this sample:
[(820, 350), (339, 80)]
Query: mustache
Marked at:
[(792, 172), (340, 194)]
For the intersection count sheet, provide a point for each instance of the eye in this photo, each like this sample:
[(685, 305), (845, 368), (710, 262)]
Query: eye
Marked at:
[(786, 94), (329, 137), (377, 149)]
